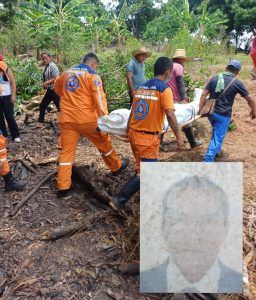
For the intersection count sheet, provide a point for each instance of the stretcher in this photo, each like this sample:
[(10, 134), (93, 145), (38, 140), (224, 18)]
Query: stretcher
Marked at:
[(115, 123)]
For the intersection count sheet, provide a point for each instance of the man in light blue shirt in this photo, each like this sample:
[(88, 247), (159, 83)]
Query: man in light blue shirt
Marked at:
[(135, 71)]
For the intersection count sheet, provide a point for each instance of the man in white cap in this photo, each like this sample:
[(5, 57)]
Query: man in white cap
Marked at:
[(135, 71), (177, 85)]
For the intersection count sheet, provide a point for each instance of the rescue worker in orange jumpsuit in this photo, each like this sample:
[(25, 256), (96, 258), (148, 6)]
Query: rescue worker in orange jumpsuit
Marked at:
[(82, 101), (152, 101), (11, 183)]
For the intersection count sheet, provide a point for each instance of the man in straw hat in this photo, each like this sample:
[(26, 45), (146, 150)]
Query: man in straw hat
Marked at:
[(177, 85), (135, 71)]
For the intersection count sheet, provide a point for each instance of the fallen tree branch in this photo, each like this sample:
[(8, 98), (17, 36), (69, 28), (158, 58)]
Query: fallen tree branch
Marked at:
[(31, 193), (26, 131), (62, 231), (47, 162), (8, 294), (85, 177), (32, 170), (32, 162)]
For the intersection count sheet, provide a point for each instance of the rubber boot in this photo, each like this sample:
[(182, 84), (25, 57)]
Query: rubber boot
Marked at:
[(12, 184), (130, 188), (191, 137), (125, 163)]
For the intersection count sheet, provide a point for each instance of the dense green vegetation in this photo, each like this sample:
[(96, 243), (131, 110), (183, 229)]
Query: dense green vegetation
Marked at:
[(70, 28)]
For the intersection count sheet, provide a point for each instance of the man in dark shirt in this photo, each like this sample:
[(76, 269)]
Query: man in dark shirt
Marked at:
[(220, 119)]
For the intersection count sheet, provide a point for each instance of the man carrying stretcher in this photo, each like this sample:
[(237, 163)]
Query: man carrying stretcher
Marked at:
[(152, 101), (83, 100)]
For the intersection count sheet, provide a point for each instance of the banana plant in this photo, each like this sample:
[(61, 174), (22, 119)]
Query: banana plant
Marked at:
[(30, 12), (97, 28), (208, 24), (57, 18), (118, 27)]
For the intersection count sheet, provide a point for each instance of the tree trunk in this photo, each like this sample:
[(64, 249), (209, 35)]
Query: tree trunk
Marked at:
[(199, 40), (97, 42), (38, 54), (58, 48)]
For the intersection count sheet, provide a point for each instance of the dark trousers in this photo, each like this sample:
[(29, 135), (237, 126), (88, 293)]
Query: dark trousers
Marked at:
[(7, 111), (131, 99), (49, 96)]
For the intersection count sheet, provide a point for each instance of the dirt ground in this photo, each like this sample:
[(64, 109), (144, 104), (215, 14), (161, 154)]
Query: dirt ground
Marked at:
[(86, 264)]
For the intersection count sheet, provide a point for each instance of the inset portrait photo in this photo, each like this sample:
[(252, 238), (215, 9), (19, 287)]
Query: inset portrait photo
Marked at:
[(191, 228)]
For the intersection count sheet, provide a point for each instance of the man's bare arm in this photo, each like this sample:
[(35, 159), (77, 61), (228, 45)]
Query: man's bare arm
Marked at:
[(172, 120), (252, 105), (49, 82), (203, 100), (129, 82), (13, 85)]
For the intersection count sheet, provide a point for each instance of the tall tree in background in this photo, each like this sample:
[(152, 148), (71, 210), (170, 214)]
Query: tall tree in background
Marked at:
[(31, 12), (59, 19), (140, 14), (118, 28), (7, 11), (226, 6), (175, 15), (245, 14), (208, 23)]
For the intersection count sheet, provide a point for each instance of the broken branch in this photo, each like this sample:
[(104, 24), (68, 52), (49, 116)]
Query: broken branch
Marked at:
[(32, 170), (85, 177), (62, 231), (31, 193)]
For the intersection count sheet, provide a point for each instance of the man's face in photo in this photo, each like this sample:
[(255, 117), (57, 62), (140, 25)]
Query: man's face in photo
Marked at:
[(194, 225)]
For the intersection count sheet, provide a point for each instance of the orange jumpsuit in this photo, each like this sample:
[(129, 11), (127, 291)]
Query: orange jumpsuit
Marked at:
[(82, 102), (4, 166), (150, 102)]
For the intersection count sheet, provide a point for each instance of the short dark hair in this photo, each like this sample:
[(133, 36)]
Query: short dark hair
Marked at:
[(46, 53), (162, 64), (201, 185), (90, 56)]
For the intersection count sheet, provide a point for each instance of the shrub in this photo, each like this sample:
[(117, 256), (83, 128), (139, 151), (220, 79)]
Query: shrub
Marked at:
[(191, 84), (28, 77)]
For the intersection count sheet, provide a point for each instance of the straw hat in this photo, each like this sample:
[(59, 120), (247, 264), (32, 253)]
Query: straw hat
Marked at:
[(181, 53), (142, 50)]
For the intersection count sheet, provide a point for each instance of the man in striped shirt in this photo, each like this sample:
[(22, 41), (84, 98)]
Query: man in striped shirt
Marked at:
[(82, 101), (51, 72)]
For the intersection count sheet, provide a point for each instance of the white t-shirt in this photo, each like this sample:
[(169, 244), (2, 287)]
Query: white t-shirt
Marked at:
[(6, 87)]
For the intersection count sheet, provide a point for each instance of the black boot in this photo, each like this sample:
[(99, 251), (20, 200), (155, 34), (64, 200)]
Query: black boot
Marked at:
[(125, 163), (130, 188), (12, 184), (65, 194), (191, 137)]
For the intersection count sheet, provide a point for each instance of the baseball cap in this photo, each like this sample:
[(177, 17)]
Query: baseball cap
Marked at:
[(235, 64)]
